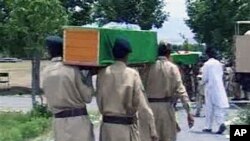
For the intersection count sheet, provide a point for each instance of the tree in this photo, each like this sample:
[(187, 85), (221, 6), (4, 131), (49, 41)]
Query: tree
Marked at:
[(34, 20), (145, 13), (152, 14), (3, 18), (79, 11), (213, 21)]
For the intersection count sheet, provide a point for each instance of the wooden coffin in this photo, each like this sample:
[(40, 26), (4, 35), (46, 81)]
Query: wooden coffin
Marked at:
[(93, 46)]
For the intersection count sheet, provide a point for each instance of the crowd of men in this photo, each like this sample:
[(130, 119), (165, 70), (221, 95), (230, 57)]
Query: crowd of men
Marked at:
[(135, 105)]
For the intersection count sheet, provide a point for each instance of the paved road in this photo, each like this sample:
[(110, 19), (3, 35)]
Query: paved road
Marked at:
[(15, 103), (195, 134), (23, 103)]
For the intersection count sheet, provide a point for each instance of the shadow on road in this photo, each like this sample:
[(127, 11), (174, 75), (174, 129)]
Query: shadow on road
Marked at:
[(201, 133), (14, 90)]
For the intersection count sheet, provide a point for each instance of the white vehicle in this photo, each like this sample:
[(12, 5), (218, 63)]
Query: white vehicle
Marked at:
[(10, 60)]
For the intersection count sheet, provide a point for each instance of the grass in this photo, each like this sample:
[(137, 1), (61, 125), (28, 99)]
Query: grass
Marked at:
[(17, 126), (244, 116)]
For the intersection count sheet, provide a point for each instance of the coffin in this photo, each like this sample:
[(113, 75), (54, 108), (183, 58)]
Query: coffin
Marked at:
[(186, 58), (93, 46)]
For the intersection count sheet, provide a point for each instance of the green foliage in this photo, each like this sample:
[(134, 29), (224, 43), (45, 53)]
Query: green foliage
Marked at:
[(146, 13), (152, 14), (34, 127), (80, 15), (40, 111), (3, 17), (16, 126), (213, 21), (117, 10), (245, 116), (27, 23), (35, 19)]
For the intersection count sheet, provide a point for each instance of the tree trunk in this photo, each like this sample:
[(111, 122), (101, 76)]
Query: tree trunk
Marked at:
[(35, 77)]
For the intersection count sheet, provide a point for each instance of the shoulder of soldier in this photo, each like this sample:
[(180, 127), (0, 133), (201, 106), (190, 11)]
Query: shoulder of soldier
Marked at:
[(45, 69), (132, 71), (172, 65), (104, 71), (69, 67), (50, 66)]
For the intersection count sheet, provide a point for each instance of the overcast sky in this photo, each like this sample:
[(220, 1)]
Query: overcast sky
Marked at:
[(175, 24)]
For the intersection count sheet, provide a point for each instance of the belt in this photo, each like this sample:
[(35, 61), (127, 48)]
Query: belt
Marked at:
[(165, 99), (72, 113), (118, 120)]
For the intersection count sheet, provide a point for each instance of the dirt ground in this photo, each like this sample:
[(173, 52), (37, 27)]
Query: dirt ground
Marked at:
[(20, 76)]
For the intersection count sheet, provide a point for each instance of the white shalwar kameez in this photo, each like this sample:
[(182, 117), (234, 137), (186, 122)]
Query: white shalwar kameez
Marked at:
[(216, 100)]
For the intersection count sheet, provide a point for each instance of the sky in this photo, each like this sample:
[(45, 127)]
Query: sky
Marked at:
[(175, 24)]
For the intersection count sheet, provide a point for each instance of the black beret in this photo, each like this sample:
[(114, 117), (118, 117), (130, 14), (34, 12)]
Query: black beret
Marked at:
[(54, 41), (54, 45), (164, 48), (121, 48)]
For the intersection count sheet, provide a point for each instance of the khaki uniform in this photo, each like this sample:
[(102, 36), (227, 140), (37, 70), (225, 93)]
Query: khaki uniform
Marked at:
[(120, 93), (199, 96), (163, 79), (64, 90)]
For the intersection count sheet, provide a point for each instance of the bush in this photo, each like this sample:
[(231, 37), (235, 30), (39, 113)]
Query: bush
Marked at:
[(17, 126), (34, 127), (245, 116), (40, 111)]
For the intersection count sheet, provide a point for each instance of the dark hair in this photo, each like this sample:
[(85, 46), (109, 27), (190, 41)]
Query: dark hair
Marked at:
[(211, 53), (164, 49), (121, 48), (55, 46)]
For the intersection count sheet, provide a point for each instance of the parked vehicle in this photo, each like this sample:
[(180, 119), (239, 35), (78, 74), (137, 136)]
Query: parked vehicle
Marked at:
[(10, 60)]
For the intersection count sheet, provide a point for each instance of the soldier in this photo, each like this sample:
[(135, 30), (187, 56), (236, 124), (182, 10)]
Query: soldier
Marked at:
[(119, 96), (199, 96), (199, 88), (163, 83), (67, 96)]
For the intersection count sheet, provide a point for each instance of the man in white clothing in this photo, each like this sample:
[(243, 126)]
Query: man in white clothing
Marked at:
[(216, 100)]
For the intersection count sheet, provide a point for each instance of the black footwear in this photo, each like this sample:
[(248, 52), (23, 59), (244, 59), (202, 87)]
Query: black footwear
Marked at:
[(197, 115), (207, 130), (222, 128)]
